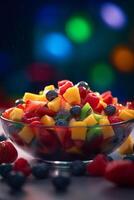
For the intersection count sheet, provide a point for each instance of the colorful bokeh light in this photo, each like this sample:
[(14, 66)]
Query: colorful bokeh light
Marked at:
[(57, 45), (123, 59), (102, 76), (79, 29), (113, 15)]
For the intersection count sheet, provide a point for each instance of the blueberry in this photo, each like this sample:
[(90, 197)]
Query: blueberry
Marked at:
[(83, 84), (75, 111), (77, 168), (110, 110), (3, 138), (61, 182), (51, 94), (5, 169), (19, 101), (61, 122), (129, 157), (63, 114), (16, 180), (40, 170)]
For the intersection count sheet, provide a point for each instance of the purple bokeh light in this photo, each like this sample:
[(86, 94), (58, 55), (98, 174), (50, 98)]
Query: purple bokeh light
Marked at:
[(113, 15)]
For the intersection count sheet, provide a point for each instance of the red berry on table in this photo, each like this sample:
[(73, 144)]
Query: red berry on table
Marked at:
[(8, 152), (98, 165), (22, 165), (120, 172)]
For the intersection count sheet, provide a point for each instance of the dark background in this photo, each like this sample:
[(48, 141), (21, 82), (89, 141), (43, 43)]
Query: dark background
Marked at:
[(36, 47)]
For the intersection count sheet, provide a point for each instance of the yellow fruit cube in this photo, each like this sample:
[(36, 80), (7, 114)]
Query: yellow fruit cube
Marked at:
[(16, 114), (47, 120), (106, 130), (55, 104), (126, 114), (72, 95), (49, 87), (78, 130), (34, 97), (26, 134), (90, 120), (127, 146)]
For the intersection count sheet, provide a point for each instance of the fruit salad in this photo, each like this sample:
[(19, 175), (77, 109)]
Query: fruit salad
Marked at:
[(68, 122)]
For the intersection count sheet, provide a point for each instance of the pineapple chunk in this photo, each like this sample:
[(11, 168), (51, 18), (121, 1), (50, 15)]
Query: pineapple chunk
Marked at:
[(16, 114), (126, 114), (90, 120), (78, 130), (127, 146), (55, 104), (107, 131), (26, 134), (49, 87), (72, 95), (34, 97), (47, 120)]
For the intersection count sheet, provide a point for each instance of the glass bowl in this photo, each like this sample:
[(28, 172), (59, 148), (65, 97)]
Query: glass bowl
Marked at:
[(58, 144)]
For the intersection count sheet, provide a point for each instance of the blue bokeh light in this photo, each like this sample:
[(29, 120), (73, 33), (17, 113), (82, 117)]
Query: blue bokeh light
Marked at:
[(53, 46), (113, 15)]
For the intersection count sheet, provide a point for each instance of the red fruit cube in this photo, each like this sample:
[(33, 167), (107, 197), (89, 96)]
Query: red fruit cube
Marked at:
[(8, 152), (114, 119), (22, 165), (64, 87), (120, 172), (30, 120), (60, 83), (92, 99), (130, 105), (98, 165), (43, 110), (83, 92), (107, 97)]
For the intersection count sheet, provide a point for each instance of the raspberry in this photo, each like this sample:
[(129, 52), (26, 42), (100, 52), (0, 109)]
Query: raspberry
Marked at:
[(97, 166), (8, 152), (22, 165), (120, 172)]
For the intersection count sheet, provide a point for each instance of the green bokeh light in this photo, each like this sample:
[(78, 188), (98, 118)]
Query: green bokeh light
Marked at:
[(102, 76), (78, 29)]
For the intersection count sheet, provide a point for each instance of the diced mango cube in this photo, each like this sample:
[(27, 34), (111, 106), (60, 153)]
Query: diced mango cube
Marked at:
[(16, 114), (49, 87), (107, 131), (126, 114), (26, 134), (72, 95), (47, 120), (34, 97), (55, 104), (78, 130), (127, 146), (90, 120)]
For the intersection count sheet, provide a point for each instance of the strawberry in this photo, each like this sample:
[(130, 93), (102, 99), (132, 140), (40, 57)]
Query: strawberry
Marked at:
[(120, 172), (22, 165), (92, 99), (98, 165), (107, 97), (65, 86), (8, 152)]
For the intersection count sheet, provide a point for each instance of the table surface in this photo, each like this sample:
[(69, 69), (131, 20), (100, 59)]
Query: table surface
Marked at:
[(81, 188)]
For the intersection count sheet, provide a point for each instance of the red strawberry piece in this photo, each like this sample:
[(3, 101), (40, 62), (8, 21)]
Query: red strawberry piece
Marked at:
[(30, 120), (92, 99), (98, 165), (64, 87), (32, 106), (114, 119), (6, 113), (107, 97), (8, 152), (49, 139), (60, 83), (44, 111), (130, 105), (83, 92), (22, 165), (120, 172)]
